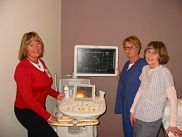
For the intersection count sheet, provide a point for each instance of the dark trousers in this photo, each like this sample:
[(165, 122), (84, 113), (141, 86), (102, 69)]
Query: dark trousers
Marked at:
[(35, 125), (127, 127)]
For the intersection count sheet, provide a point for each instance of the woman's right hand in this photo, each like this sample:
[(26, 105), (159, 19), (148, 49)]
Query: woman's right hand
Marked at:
[(53, 119), (132, 118), (117, 73), (60, 96)]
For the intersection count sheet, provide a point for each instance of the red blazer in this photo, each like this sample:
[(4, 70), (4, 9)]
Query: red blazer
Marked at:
[(33, 86)]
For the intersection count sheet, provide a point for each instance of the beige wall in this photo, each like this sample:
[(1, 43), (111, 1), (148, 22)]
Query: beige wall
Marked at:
[(16, 18), (106, 22)]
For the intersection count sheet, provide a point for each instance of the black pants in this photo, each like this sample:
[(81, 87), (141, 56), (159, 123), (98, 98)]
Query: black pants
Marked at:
[(35, 125)]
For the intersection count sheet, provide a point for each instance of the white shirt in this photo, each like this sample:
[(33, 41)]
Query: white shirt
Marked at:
[(156, 86), (38, 65)]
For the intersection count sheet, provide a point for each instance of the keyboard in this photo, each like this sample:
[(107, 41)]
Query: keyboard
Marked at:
[(84, 108)]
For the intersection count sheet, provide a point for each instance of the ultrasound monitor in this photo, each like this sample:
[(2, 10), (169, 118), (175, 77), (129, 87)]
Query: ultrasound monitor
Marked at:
[(91, 60), (84, 92), (72, 81)]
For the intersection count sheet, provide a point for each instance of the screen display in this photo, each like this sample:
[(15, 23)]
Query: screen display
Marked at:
[(96, 60), (84, 92)]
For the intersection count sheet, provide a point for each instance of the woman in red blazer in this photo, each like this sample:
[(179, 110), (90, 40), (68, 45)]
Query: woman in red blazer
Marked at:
[(34, 81)]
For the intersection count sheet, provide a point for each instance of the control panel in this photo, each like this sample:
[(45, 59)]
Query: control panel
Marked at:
[(83, 109)]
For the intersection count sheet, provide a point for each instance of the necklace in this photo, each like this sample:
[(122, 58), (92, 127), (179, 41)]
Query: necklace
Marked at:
[(38, 65), (35, 63)]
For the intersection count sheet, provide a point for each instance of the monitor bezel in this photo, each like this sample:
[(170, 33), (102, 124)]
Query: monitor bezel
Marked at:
[(76, 73), (83, 99)]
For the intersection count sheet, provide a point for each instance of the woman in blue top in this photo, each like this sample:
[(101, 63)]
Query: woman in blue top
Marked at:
[(129, 82)]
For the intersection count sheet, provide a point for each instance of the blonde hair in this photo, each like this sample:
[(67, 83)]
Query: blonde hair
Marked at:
[(159, 47), (134, 40), (25, 41)]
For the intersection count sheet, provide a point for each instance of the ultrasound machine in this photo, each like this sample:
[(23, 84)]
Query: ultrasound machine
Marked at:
[(80, 109)]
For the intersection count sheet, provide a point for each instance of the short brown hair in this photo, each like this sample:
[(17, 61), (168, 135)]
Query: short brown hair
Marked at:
[(24, 42), (134, 40), (159, 47)]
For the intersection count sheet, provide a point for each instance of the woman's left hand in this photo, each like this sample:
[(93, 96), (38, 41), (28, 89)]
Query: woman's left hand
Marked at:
[(132, 118), (60, 96), (176, 131)]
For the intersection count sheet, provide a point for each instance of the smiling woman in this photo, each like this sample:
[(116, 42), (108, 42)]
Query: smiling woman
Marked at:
[(32, 47), (34, 82), (157, 86), (129, 76)]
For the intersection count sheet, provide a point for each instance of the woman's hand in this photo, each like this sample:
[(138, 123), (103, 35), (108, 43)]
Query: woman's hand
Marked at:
[(60, 96), (176, 131), (117, 73), (53, 119), (132, 118)]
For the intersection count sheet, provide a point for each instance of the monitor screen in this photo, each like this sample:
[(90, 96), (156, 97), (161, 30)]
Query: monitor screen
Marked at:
[(91, 60), (84, 92)]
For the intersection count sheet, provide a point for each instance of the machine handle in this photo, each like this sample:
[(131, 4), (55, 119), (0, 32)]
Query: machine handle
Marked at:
[(68, 122)]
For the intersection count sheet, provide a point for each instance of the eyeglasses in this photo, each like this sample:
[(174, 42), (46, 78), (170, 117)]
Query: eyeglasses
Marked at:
[(152, 52), (130, 47)]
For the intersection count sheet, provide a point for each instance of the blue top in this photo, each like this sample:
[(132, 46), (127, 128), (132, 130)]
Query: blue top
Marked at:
[(128, 85)]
